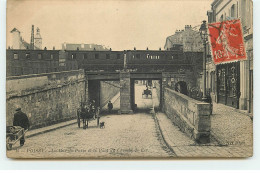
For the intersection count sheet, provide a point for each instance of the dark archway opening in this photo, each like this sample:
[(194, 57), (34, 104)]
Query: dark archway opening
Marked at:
[(181, 87), (103, 91)]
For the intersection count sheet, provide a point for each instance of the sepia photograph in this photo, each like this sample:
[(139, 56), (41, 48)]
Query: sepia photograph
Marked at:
[(119, 79)]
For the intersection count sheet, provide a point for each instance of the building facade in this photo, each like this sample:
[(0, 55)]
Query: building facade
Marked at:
[(187, 39), (232, 83), (82, 46)]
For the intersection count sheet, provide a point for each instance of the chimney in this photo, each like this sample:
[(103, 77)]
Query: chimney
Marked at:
[(187, 27), (32, 38)]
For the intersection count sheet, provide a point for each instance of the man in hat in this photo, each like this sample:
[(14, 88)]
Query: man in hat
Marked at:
[(110, 106), (21, 119)]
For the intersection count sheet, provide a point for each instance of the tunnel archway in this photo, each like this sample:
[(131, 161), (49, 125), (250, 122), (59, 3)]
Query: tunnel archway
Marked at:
[(181, 87), (103, 91), (141, 102)]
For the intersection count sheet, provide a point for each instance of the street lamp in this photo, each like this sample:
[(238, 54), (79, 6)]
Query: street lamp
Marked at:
[(204, 37)]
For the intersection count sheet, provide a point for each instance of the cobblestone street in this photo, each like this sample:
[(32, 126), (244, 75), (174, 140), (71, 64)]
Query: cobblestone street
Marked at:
[(183, 146), (124, 136), (231, 127), (134, 135)]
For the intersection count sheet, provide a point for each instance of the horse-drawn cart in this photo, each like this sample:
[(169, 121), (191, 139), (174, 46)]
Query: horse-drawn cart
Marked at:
[(13, 134), (147, 92), (86, 114)]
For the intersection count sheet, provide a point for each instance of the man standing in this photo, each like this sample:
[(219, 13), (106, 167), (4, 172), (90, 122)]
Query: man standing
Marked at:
[(93, 108), (21, 119), (109, 106)]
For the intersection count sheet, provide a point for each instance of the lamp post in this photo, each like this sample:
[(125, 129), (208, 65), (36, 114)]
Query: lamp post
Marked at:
[(204, 37)]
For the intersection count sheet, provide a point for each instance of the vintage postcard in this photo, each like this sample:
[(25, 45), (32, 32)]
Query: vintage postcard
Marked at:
[(123, 79)]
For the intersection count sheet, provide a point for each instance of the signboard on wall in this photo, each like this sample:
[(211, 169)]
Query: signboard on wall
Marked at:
[(226, 40)]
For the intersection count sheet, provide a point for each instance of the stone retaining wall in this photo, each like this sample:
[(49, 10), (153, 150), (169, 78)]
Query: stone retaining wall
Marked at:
[(46, 98), (191, 116)]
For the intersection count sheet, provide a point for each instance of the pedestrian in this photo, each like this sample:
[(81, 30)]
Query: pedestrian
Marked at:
[(21, 119), (110, 106), (93, 108)]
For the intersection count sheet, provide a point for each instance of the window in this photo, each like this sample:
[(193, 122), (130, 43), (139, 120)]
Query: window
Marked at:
[(85, 56), (107, 56), (51, 56), (16, 56), (96, 56), (207, 80), (73, 56), (27, 55), (221, 18), (213, 82), (232, 13), (39, 56), (118, 56)]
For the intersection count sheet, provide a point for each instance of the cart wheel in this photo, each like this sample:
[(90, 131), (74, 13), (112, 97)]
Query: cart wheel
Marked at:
[(8, 146), (78, 120)]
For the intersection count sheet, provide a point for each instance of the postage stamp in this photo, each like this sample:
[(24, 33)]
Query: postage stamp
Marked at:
[(226, 39)]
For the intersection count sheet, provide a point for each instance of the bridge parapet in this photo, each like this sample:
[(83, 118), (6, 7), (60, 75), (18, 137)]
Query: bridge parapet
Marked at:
[(191, 116)]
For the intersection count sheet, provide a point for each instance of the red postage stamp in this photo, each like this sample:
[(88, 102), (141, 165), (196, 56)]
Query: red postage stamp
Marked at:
[(226, 40)]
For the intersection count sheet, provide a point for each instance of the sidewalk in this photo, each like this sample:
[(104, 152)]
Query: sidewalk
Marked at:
[(46, 129), (183, 146), (230, 126)]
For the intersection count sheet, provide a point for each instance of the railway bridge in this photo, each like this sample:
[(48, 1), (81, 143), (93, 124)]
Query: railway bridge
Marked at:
[(167, 67)]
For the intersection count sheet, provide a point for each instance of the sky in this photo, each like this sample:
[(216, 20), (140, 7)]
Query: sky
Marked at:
[(118, 24)]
